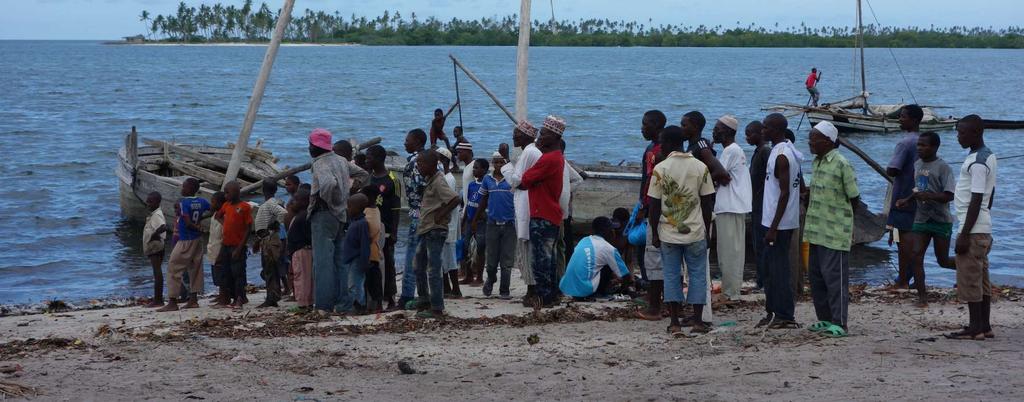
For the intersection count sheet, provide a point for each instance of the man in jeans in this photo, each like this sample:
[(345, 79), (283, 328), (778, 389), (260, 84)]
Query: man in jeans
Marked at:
[(544, 180), (414, 183), (327, 210), (682, 198), (497, 201), (781, 217), (438, 202)]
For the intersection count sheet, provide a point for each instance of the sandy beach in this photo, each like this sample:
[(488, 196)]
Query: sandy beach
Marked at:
[(490, 349)]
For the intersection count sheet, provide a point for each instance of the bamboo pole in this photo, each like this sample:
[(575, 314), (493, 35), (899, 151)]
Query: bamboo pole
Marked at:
[(486, 90), (283, 18), (522, 59)]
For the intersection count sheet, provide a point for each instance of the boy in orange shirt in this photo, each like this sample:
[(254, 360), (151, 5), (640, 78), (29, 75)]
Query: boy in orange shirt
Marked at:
[(236, 218)]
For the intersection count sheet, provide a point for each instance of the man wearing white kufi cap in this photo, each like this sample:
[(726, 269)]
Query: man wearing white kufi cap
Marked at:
[(523, 136), (829, 230), (732, 204)]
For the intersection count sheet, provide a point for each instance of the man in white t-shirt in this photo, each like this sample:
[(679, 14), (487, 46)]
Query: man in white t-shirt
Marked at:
[(523, 136), (732, 204), (975, 190), (780, 219)]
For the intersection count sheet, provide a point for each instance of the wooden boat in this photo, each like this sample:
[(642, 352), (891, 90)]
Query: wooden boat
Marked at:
[(1004, 124), (855, 114), (162, 167)]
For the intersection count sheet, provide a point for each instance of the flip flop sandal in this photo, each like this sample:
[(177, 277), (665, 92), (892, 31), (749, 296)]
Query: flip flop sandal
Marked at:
[(988, 334), (965, 335), (676, 331), (834, 331), (819, 326), (700, 329), (784, 324), (763, 322)]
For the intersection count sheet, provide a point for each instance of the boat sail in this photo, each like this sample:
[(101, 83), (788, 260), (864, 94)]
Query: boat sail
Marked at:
[(856, 114)]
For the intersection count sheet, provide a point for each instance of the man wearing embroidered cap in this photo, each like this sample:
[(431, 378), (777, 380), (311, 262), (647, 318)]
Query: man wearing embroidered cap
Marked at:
[(327, 210), (732, 204), (523, 136), (829, 230), (545, 182)]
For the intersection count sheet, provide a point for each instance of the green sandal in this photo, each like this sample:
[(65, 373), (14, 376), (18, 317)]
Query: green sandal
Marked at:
[(834, 331), (819, 326)]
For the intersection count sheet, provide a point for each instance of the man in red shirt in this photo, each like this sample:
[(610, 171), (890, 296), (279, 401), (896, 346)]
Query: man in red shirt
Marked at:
[(544, 180), (236, 219), (812, 86)]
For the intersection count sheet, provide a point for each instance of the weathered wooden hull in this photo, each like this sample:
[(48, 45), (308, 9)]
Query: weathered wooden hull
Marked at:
[(141, 171), (852, 122)]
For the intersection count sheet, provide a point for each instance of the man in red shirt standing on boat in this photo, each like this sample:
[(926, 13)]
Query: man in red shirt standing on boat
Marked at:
[(812, 85)]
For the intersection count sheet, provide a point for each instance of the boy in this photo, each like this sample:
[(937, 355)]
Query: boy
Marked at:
[(300, 247), (187, 256), (236, 218), (153, 245), (448, 260), (497, 200), (932, 193), (414, 184), (213, 246), (975, 190), (375, 272), (269, 221), (439, 200), (389, 203), (682, 198), (475, 235), (594, 263), (355, 257)]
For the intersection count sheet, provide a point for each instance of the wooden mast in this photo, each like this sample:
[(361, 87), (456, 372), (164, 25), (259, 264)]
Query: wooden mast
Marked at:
[(860, 42), (283, 18), (522, 60)]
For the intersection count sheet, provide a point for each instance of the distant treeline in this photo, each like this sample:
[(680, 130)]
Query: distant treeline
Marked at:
[(248, 23)]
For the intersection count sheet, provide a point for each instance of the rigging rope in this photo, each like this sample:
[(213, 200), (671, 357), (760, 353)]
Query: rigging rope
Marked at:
[(893, 54)]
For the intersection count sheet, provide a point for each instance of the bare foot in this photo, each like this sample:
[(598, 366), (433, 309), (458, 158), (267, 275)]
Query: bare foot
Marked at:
[(192, 303), (155, 304), (172, 306)]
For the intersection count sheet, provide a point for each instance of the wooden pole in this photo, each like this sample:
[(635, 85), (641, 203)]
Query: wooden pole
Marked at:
[(522, 59), (486, 90), (301, 168), (863, 155), (257, 91), (860, 40)]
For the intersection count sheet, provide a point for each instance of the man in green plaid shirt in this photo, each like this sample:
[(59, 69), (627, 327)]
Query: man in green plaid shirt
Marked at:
[(829, 230)]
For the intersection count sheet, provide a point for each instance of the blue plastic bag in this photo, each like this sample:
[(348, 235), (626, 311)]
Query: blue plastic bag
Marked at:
[(636, 232)]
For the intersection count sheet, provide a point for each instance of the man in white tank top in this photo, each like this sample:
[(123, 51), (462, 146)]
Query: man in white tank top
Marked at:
[(780, 218)]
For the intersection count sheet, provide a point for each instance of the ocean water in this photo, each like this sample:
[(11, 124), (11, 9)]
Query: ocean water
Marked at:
[(66, 106)]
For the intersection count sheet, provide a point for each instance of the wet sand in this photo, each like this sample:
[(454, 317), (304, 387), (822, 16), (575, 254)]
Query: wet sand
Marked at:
[(491, 349)]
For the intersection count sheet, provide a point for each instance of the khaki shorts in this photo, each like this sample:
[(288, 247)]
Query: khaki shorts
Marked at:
[(652, 259), (972, 269)]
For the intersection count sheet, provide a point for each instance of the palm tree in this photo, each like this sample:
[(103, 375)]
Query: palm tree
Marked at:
[(144, 18)]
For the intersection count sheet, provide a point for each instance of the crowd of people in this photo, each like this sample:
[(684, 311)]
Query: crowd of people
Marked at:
[(331, 246)]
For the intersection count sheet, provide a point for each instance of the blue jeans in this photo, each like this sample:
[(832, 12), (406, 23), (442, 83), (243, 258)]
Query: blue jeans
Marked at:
[(328, 236), (542, 242), (409, 270), (695, 255), (355, 286), (429, 273)]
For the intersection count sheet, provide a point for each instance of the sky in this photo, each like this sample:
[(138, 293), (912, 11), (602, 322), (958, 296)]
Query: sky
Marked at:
[(111, 19)]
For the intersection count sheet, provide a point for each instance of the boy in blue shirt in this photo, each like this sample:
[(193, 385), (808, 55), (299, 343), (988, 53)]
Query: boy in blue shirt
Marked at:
[(594, 263), (187, 256), (474, 257), (500, 236)]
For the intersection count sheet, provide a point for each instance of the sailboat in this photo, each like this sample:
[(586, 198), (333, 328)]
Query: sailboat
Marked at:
[(857, 114)]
